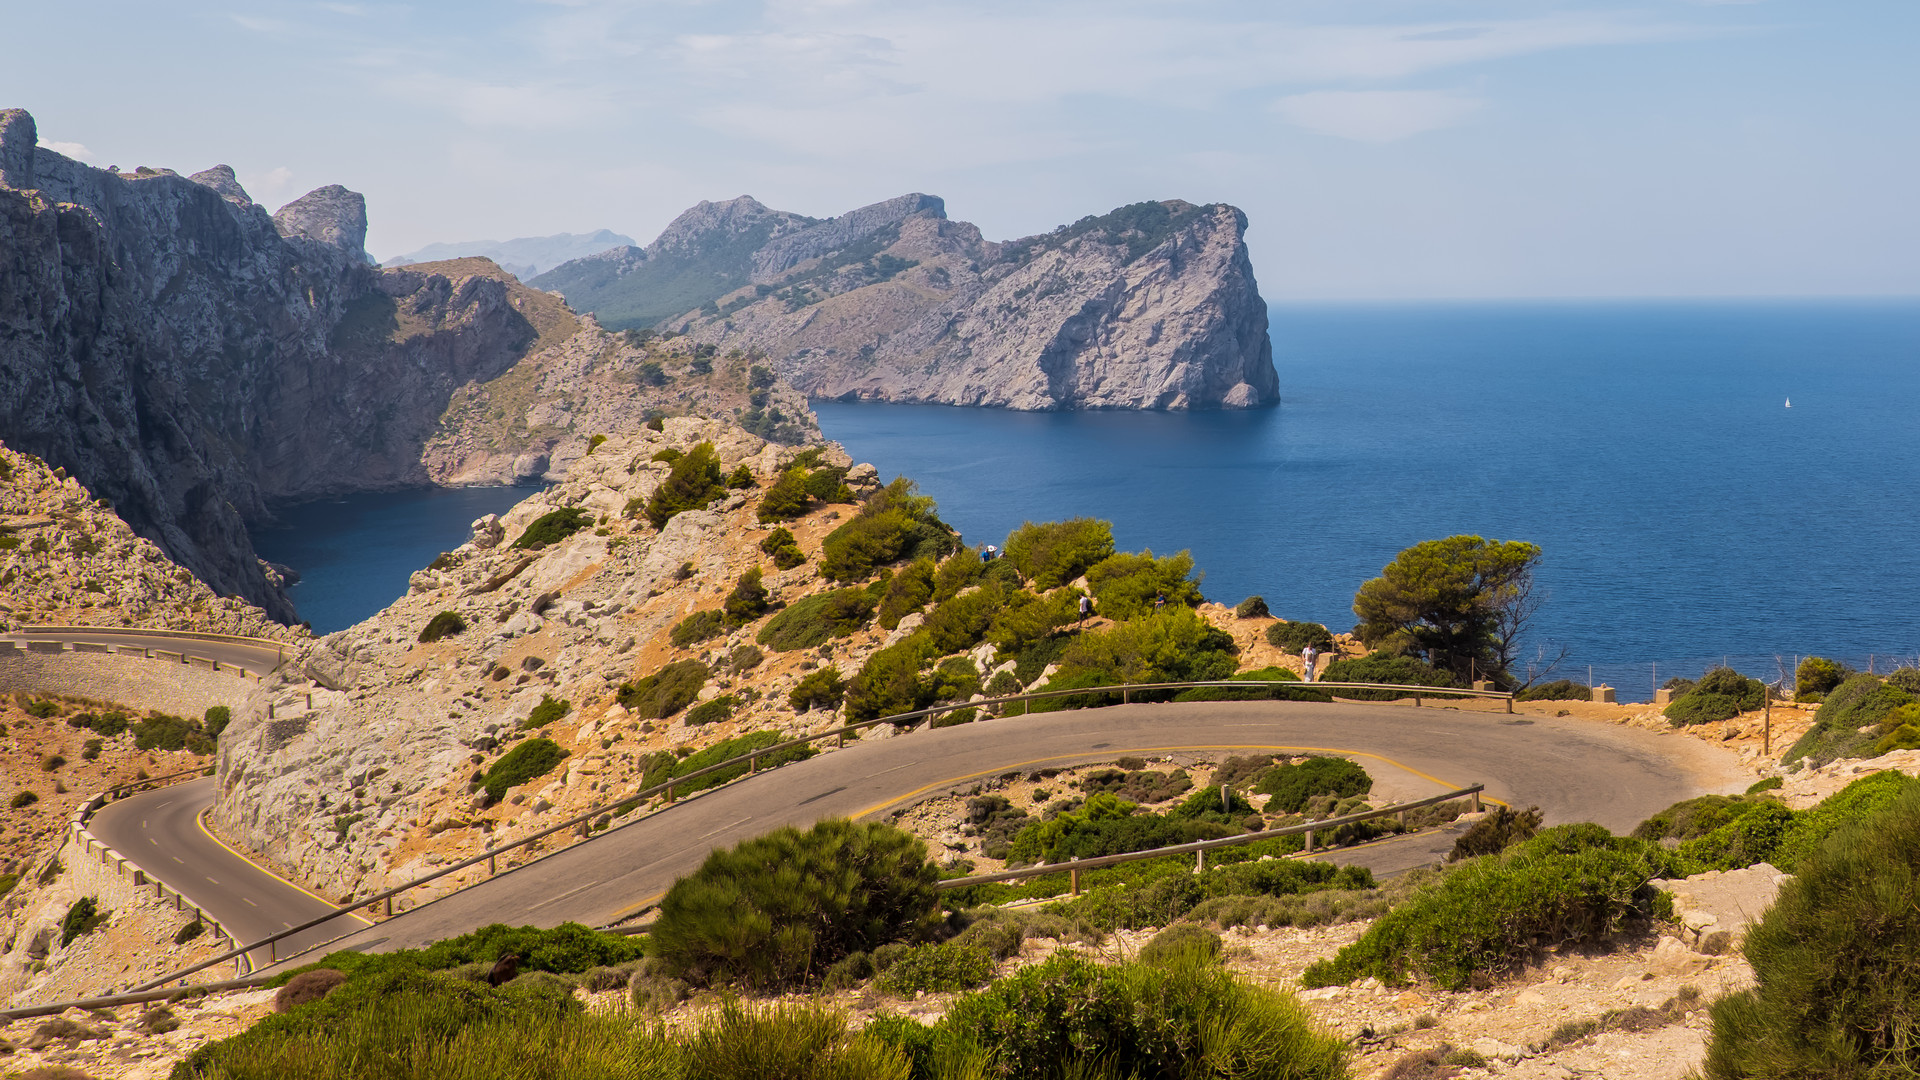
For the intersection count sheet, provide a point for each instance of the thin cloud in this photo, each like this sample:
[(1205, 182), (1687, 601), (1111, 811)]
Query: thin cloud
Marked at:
[(74, 150), (1376, 116)]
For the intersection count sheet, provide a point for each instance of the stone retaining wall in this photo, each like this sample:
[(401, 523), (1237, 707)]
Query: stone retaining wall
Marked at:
[(124, 677)]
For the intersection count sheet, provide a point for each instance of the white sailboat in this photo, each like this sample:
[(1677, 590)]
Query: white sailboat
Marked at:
[(1789, 403)]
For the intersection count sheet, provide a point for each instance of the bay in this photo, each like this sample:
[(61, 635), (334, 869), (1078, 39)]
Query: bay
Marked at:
[(355, 553), (1686, 514)]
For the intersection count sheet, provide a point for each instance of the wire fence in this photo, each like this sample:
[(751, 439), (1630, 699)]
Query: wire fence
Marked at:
[(1637, 681)]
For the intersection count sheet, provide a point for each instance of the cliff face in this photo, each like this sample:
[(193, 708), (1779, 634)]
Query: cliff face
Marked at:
[(1152, 306), (187, 356)]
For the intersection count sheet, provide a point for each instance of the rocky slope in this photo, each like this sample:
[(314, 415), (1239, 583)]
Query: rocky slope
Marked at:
[(189, 356), (1152, 306)]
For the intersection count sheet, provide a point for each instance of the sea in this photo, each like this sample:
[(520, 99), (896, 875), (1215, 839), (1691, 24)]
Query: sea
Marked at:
[(1709, 482)]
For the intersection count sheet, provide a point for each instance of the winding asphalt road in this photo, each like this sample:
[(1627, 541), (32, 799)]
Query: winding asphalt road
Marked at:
[(243, 653), (1572, 770)]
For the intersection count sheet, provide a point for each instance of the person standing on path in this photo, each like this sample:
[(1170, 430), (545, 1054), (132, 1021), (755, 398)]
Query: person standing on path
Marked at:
[(1086, 609), (1309, 655)]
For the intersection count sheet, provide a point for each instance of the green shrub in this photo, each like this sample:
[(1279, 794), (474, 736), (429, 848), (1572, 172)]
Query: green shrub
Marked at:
[(444, 625), (821, 688), (895, 524), (1185, 1020), (1181, 942), (554, 526), (1557, 690), (1771, 783), (529, 760), (669, 455), (697, 627), (907, 591), (1693, 818), (777, 911), (1752, 837), (693, 483), (1300, 691), (664, 766), (52, 763), (937, 968), (1850, 721), (160, 731), (8, 881), (1293, 785), (828, 484), (1818, 675), (799, 1040), (550, 710), (1721, 694), (1127, 586), (810, 622), (190, 931), (957, 571), (784, 550), (1056, 552), (787, 498), (666, 691), (1485, 916), (749, 599), (1856, 802), (1905, 678), (1173, 645), (23, 799), (82, 918), (108, 724), (1108, 825), (740, 478), (1381, 667), (1496, 832), (1838, 992), (1294, 637), (1904, 737), (745, 658), (892, 681), (1253, 607), (712, 711)]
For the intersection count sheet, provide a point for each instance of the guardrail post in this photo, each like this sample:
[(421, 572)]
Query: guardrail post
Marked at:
[(1509, 704), (491, 869), (669, 791), (1200, 861), (753, 762), (1309, 841), (389, 907), (1476, 802), (840, 740), (1416, 701), (1074, 876)]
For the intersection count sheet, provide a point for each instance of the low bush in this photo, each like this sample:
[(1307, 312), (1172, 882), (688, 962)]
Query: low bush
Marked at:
[(41, 708), (1496, 832), (159, 731), (693, 482), (777, 911), (1053, 553), (1185, 1019), (554, 526), (745, 658), (749, 599), (444, 625), (1127, 586), (1851, 720), (1253, 607), (1294, 637), (215, 720), (569, 948), (23, 799), (1862, 799), (1380, 667), (1818, 675), (1172, 645), (1721, 694), (1182, 942), (892, 681), (666, 691), (1838, 992), (1293, 785), (1905, 678), (188, 932), (307, 988), (529, 760), (1690, 819), (907, 591), (1484, 917), (1300, 691), (1557, 690), (713, 710), (740, 478), (1904, 737), (896, 524), (550, 710), (937, 968), (82, 917), (821, 688), (787, 498), (697, 627), (52, 763), (783, 549), (107, 724), (1138, 785), (1108, 825), (810, 622)]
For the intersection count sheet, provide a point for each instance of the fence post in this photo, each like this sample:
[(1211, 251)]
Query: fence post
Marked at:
[(1309, 841), (491, 868), (1200, 861), (1416, 701), (389, 907), (1509, 704), (1476, 802), (753, 762), (1074, 876)]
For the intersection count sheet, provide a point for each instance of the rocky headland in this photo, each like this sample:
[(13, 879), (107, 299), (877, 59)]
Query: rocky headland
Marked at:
[(1151, 306)]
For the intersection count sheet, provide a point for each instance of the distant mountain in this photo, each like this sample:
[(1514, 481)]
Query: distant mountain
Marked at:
[(1151, 306), (524, 258)]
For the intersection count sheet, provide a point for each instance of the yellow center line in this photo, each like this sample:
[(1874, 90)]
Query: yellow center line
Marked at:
[(648, 902), (200, 820)]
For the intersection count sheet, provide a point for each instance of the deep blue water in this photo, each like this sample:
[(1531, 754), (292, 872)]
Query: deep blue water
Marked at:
[(1685, 514), (354, 554)]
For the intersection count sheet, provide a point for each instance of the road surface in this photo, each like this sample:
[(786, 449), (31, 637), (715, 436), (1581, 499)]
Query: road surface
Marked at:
[(255, 657)]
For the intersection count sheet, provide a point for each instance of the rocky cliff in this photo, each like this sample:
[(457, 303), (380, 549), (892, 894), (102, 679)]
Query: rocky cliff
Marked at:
[(1152, 306), (190, 357)]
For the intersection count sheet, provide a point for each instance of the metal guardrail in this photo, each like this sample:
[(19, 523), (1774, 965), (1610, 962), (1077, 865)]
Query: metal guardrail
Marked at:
[(751, 759), (1200, 848), (280, 648)]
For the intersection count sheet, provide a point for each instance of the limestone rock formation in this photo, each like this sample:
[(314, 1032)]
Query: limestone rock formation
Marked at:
[(524, 257), (1152, 306), (189, 357)]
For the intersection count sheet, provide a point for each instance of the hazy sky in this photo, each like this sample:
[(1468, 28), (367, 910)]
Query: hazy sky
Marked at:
[(1381, 148)]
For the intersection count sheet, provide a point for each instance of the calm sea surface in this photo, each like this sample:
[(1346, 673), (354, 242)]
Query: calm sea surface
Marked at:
[(1685, 514), (355, 554)]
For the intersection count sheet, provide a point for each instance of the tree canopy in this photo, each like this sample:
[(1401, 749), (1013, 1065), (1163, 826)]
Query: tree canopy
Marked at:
[(1459, 603)]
